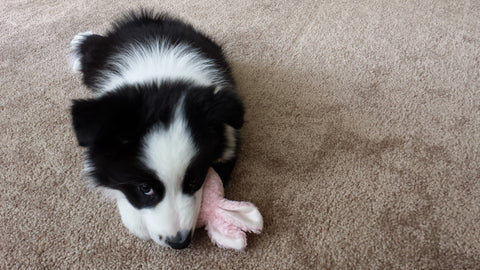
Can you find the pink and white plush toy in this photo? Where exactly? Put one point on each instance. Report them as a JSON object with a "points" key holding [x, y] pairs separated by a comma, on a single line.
{"points": [[226, 221]]}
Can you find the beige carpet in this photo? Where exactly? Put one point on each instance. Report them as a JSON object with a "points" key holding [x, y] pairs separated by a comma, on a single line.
{"points": [[361, 144]]}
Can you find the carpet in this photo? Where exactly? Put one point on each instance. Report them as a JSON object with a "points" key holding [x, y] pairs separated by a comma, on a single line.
{"points": [[360, 147]]}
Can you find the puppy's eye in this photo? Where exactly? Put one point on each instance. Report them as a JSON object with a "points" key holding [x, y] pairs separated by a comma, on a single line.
{"points": [[146, 189]]}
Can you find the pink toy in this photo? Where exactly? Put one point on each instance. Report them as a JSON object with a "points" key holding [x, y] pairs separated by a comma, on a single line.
{"points": [[226, 221]]}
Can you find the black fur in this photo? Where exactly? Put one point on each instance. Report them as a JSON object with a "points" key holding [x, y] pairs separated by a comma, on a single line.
{"points": [[111, 127], [140, 27]]}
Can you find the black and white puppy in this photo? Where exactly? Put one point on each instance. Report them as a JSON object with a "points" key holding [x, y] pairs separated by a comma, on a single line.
{"points": [[164, 110]]}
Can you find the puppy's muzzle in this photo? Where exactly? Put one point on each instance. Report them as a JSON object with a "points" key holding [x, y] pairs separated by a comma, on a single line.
{"points": [[181, 240]]}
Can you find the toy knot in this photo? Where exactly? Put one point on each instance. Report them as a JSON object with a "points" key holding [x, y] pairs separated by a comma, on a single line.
{"points": [[226, 221]]}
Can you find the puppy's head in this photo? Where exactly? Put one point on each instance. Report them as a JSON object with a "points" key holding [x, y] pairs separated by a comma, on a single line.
{"points": [[151, 146]]}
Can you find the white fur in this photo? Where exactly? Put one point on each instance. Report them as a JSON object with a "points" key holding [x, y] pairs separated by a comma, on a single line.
{"points": [[75, 57], [181, 210], [132, 218], [167, 151], [157, 61]]}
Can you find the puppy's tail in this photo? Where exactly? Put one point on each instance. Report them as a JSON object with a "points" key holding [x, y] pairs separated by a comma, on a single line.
{"points": [[75, 58]]}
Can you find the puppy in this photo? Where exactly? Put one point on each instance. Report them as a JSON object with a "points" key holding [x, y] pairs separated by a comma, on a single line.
{"points": [[164, 110]]}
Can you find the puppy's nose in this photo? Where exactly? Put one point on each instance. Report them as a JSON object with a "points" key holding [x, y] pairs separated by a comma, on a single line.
{"points": [[181, 240]]}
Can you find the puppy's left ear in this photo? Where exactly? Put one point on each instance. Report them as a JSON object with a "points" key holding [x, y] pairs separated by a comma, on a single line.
{"points": [[226, 107], [219, 106]]}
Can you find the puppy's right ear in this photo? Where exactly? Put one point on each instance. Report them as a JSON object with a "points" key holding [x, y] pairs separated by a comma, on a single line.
{"points": [[86, 119]]}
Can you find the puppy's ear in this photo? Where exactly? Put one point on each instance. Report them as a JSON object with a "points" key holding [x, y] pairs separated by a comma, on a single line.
{"points": [[227, 107], [87, 120], [216, 106]]}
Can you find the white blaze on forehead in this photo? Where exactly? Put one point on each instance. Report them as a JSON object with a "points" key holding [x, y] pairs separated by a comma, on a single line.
{"points": [[168, 150]]}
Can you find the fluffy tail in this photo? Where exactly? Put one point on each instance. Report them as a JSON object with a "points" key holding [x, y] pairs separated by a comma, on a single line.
{"points": [[76, 52]]}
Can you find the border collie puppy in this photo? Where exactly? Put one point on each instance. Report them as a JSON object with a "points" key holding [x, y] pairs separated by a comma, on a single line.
{"points": [[164, 110]]}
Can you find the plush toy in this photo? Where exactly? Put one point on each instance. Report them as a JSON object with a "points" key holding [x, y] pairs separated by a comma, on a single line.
{"points": [[226, 221]]}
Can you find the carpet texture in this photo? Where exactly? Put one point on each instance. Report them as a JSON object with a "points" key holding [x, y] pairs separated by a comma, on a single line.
{"points": [[360, 148]]}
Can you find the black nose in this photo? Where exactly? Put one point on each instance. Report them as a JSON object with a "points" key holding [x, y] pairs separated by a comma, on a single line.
{"points": [[181, 240]]}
